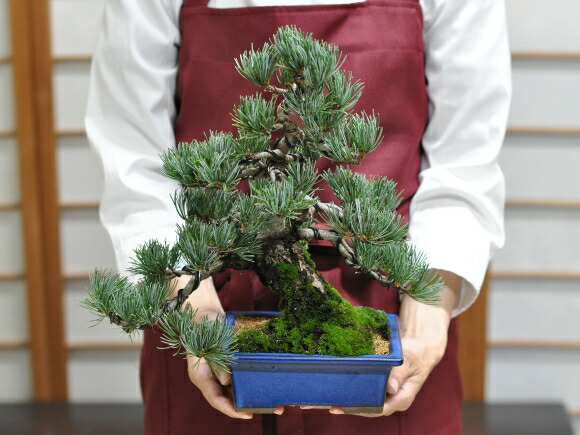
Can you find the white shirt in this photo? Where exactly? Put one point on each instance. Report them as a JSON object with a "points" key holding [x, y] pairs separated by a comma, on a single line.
{"points": [[457, 213]]}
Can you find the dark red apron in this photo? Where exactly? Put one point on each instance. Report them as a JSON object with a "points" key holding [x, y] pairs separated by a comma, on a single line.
{"points": [[383, 41]]}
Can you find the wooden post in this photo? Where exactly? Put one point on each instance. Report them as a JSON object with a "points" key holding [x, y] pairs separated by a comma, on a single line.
{"points": [[473, 347], [37, 143]]}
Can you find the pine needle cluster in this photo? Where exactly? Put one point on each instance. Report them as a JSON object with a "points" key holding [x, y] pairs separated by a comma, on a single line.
{"points": [[209, 339], [132, 307]]}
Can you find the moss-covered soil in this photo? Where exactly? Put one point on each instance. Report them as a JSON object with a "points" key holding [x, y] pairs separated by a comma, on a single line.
{"points": [[315, 322]]}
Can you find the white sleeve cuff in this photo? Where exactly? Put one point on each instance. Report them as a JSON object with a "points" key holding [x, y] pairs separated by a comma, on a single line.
{"points": [[453, 240]]}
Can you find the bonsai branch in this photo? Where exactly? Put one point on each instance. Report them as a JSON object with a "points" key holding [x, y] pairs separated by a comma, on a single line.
{"points": [[275, 90], [276, 155], [196, 277], [343, 246], [319, 234], [328, 207], [250, 173]]}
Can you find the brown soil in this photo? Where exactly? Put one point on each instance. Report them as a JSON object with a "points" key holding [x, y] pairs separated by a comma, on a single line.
{"points": [[248, 323]]}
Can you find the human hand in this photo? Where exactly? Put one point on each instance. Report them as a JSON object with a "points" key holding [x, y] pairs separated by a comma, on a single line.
{"points": [[212, 386], [215, 386], [424, 339]]}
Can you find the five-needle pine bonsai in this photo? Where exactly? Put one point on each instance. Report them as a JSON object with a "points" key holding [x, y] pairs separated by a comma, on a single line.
{"points": [[303, 114]]}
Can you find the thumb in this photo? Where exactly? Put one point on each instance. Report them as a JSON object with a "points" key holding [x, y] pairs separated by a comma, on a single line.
{"points": [[395, 380], [224, 378]]}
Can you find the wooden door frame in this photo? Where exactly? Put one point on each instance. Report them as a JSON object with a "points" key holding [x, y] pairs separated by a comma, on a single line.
{"points": [[473, 347], [32, 72]]}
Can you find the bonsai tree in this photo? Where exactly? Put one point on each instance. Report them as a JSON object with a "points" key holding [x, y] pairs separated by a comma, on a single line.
{"points": [[303, 113]]}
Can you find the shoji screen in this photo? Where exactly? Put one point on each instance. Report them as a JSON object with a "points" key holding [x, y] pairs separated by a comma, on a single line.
{"points": [[536, 277], [15, 369], [102, 364], [534, 309]]}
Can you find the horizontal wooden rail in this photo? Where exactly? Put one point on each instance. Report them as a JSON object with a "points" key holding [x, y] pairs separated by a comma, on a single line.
{"points": [[67, 132], [524, 274], [9, 206], [549, 55], [575, 413], [79, 205], [7, 134], [71, 58], [13, 345], [535, 344], [77, 276], [543, 130], [543, 203], [104, 345], [5, 59], [11, 276]]}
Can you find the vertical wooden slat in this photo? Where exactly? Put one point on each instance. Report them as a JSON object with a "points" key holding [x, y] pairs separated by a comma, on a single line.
{"points": [[46, 143], [473, 347], [30, 204], [37, 143]]}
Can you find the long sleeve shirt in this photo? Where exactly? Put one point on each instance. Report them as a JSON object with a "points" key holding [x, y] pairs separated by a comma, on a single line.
{"points": [[457, 212]]}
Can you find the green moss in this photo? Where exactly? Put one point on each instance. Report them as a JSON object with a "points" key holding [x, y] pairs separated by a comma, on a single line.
{"points": [[341, 341], [312, 322], [374, 319], [253, 341], [286, 271], [307, 256]]}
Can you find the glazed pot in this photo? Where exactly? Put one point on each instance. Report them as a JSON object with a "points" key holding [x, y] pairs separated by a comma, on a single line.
{"points": [[263, 381]]}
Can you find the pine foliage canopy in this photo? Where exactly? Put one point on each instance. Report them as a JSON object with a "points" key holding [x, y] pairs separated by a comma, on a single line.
{"points": [[303, 113]]}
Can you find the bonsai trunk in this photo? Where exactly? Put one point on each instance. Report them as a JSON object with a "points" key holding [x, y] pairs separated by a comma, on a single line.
{"points": [[315, 318]]}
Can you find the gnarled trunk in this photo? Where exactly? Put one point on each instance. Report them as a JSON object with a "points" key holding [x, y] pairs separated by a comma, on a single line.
{"points": [[314, 317]]}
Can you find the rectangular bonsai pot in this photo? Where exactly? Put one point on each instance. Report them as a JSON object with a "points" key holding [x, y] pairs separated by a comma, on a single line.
{"points": [[262, 381]]}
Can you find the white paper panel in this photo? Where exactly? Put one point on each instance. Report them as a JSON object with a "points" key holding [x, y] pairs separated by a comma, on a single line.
{"points": [[74, 26], [517, 310], [4, 29], [541, 239], [576, 425], [533, 375], [80, 322], [542, 166], [546, 93], [13, 311], [540, 25], [71, 84], [15, 376], [9, 178], [11, 249], [84, 242], [79, 177], [7, 121], [104, 376]]}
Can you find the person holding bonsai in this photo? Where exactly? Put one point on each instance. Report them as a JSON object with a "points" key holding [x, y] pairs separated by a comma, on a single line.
{"points": [[437, 72]]}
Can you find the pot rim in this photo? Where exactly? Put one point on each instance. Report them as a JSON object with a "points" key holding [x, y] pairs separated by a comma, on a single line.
{"points": [[394, 358]]}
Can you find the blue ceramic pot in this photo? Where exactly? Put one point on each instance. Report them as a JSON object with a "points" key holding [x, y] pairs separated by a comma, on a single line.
{"points": [[262, 381]]}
